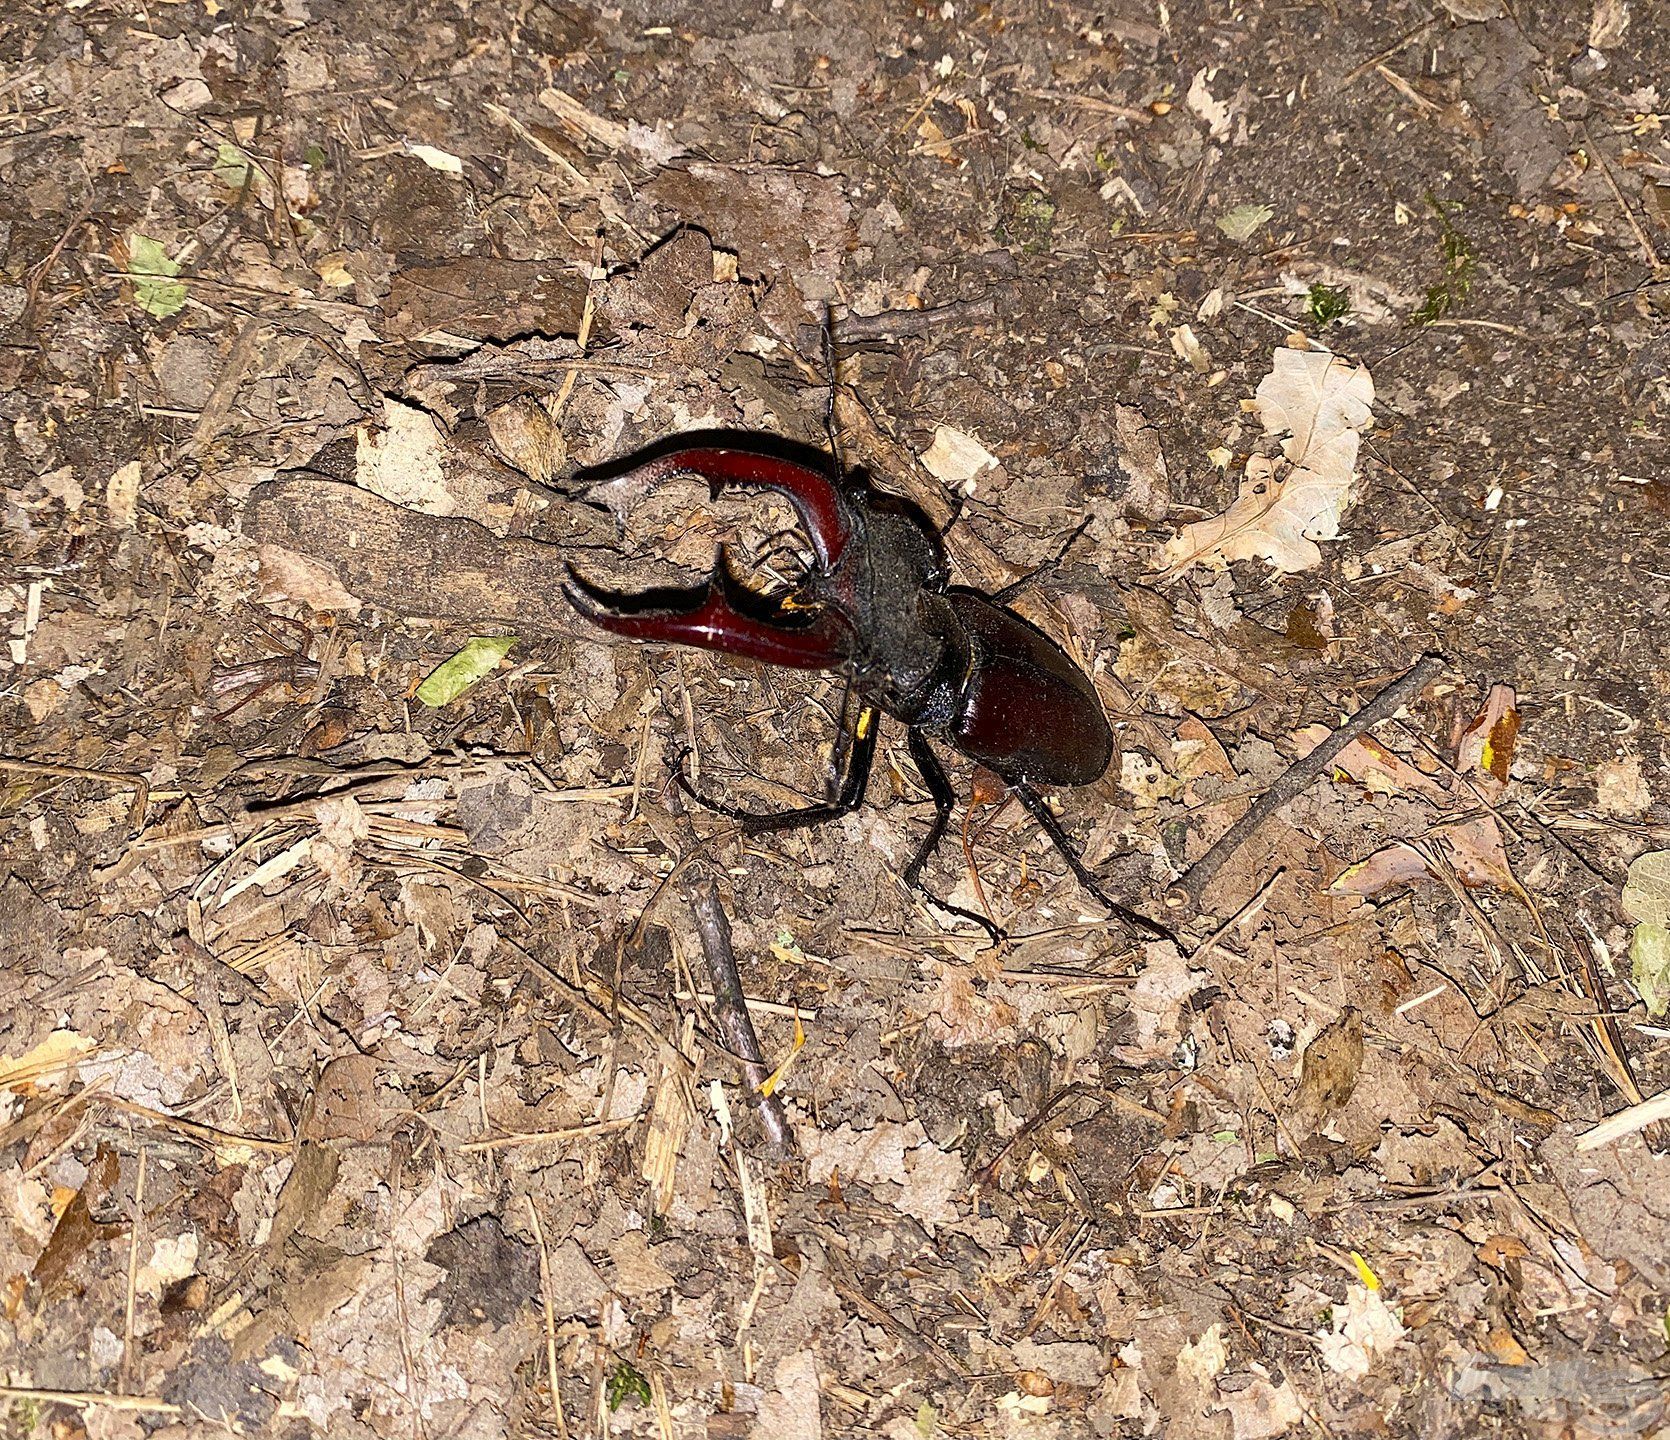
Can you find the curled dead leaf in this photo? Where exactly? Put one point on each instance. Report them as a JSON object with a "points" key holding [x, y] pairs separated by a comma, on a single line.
{"points": [[1504, 1349], [1367, 761], [1395, 864], [527, 436], [1499, 1249], [1328, 1072], [1476, 852], [1487, 745], [345, 1103]]}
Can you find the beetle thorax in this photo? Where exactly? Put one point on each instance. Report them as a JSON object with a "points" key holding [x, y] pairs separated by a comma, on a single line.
{"points": [[912, 651], [912, 661]]}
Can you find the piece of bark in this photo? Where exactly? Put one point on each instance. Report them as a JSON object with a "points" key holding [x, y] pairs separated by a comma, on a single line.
{"points": [[416, 565], [486, 299]]}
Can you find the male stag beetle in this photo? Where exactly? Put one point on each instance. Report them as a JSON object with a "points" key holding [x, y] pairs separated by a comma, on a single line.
{"points": [[878, 605]]}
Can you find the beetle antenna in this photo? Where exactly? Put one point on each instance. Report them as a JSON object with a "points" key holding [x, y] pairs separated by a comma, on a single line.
{"points": [[831, 369]]}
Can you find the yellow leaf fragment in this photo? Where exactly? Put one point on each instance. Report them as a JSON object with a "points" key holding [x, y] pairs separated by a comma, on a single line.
{"points": [[769, 1085], [1364, 1273]]}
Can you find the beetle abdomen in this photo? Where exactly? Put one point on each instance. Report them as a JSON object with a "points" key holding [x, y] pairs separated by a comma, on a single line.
{"points": [[1027, 712]]}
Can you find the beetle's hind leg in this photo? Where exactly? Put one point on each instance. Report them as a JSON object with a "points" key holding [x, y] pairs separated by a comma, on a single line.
{"points": [[933, 776], [860, 751], [1040, 811]]}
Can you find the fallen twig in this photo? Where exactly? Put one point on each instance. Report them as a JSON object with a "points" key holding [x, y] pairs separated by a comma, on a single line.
{"points": [[539, 1137], [1626, 1122], [122, 779], [1299, 775], [730, 1010], [87, 1399], [856, 329], [547, 1295]]}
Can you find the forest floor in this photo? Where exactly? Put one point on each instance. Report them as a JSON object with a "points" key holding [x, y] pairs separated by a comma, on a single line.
{"points": [[359, 1073]]}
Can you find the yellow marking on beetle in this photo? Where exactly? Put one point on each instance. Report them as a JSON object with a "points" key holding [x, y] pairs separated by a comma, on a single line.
{"points": [[866, 718]]}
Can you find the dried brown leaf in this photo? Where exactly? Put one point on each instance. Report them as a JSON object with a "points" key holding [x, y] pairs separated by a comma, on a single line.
{"points": [[1328, 1072], [1487, 745]]}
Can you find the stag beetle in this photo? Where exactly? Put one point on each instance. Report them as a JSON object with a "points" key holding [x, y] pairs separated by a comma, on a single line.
{"points": [[878, 605]]}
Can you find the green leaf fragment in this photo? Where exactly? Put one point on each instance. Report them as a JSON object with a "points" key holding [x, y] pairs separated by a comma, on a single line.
{"points": [[1241, 222], [1647, 889], [1649, 956], [1327, 303], [1459, 263], [231, 166], [1646, 900], [1030, 221], [452, 677], [152, 272], [626, 1382]]}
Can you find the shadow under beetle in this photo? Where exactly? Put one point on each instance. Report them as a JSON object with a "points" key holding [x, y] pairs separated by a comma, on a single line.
{"points": [[879, 607]]}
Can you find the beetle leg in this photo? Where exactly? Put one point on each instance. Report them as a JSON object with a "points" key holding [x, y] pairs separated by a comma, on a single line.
{"points": [[1040, 812], [933, 776], [1001, 598], [852, 720], [861, 756], [721, 615], [816, 496]]}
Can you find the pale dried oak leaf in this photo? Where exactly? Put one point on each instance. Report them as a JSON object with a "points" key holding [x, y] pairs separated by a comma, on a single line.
{"points": [[1322, 404], [1363, 1329]]}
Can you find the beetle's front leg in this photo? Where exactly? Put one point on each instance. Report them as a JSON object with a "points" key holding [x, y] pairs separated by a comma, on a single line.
{"points": [[859, 751]]}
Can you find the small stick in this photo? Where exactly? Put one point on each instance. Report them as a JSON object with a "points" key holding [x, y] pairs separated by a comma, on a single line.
{"points": [[1299, 776], [88, 1399], [126, 1373], [856, 329], [1375, 60], [1626, 1122], [141, 786], [1245, 913], [545, 1292], [1648, 251], [209, 1136], [730, 1010], [540, 1137]]}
